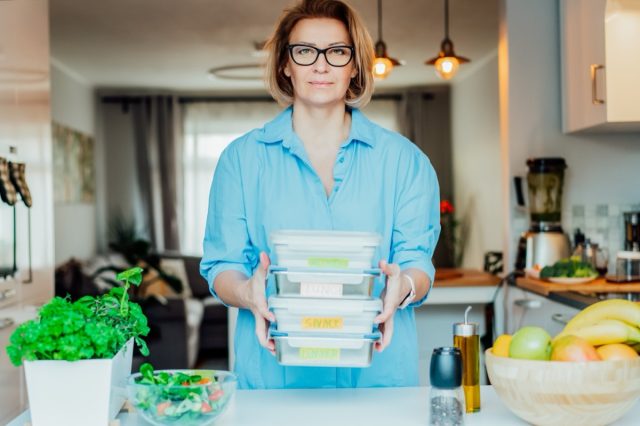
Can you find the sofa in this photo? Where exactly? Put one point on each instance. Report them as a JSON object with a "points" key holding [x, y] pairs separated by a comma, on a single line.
{"points": [[186, 328]]}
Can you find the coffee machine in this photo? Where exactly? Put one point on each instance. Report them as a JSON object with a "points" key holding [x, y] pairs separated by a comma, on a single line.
{"points": [[545, 242]]}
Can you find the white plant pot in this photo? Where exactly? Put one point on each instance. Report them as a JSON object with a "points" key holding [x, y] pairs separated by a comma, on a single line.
{"points": [[88, 392]]}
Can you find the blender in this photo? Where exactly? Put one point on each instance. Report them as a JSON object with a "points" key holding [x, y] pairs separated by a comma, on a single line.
{"points": [[545, 242]]}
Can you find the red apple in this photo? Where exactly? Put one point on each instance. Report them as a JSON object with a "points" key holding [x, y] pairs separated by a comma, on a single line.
{"points": [[573, 348]]}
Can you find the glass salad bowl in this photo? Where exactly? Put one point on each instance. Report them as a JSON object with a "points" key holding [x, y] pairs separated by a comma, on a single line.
{"points": [[180, 397]]}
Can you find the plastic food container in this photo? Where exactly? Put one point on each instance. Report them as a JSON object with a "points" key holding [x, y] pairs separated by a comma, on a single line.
{"points": [[325, 249], [314, 283], [325, 316], [324, 350]]}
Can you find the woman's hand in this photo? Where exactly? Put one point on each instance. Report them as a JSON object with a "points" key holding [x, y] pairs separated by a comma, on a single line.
{"points": [[256, 301], [394, 293]]}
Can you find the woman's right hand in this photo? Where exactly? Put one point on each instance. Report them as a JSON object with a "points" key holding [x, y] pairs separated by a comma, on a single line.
{"points": [[257, 303]]}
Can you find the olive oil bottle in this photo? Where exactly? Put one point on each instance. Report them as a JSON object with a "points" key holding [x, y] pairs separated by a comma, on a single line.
{"points": [[466, 338]]}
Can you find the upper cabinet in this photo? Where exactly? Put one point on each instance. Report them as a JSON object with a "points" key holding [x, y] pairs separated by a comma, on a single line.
{"points": [[600, 48]]}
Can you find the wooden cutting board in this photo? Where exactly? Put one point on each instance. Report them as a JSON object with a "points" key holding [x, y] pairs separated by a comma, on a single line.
{"points": [[599, 285], [458, 277]]}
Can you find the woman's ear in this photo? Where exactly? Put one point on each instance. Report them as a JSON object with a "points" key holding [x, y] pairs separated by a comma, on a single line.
{"points": [[354, 72], [287, 71]]}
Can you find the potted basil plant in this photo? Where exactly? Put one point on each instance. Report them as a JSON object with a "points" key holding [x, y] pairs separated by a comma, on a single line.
{"points": [[77, 355]]}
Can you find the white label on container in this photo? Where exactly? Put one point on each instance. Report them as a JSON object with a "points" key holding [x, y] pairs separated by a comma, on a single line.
{"points": [[308, 289]]}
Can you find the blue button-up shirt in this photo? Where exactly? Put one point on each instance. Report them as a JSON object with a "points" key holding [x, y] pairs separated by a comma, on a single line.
{"points": [[264, 182]]}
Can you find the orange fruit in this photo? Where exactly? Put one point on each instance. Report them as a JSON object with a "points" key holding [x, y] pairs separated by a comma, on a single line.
{"points": [[501, 345], [616, 351]]}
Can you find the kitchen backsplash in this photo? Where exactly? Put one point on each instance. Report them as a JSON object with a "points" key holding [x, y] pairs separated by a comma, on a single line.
{"points": [[601, 223]]}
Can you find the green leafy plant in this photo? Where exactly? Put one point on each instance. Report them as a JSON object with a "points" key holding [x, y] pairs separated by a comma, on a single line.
{"points": [[90, 328]]}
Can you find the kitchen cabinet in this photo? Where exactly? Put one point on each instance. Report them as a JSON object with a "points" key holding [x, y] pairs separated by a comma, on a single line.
{"points": [[600, 50], [530, 309]]}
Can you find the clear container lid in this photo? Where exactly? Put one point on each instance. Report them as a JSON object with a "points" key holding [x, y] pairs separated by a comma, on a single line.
{"points": [[316, 239], [342, 306]]}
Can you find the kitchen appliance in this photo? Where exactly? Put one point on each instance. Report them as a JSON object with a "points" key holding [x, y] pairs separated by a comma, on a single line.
{"points": [[545, 242], [632, 231], [628, 266]]}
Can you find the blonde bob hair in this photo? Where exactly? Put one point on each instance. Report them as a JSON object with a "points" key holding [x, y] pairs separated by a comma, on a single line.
{"points": [[279, 85]]}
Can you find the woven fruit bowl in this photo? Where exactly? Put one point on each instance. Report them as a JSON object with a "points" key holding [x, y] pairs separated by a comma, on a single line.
{"points": [[565, 393]]}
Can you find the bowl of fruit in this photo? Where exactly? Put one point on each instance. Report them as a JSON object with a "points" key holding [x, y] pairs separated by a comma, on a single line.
{"points": [[589, 374], [183, 397]]}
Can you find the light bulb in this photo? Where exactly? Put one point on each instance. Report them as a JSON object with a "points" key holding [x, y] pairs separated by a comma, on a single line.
{"points": [[382, 68], [447, 66]]}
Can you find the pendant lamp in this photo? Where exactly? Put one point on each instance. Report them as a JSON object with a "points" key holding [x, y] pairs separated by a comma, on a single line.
{"points": [[447, 62], [382, 64]]}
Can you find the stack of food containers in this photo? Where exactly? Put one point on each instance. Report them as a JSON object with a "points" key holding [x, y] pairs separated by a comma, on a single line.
{"points": [[324, 307]]}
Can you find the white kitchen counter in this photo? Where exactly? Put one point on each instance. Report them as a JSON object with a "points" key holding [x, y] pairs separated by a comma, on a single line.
{"points": [[369, 407]]}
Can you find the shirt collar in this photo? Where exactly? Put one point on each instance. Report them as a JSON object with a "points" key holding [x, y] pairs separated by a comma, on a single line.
{"points": [[280, 129]]}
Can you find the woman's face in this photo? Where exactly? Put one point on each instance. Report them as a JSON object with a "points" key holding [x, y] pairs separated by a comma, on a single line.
{"points": [[320, 84]]}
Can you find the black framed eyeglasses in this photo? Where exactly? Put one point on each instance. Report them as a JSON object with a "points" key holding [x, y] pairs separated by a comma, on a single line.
{"points": [[336, 56]]}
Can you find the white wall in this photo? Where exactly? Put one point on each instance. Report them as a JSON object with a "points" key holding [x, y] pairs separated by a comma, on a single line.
{"points": [[476, 159], [72, 105]]}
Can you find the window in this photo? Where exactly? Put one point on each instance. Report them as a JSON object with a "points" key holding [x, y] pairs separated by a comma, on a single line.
{"points": [[208, 128]]}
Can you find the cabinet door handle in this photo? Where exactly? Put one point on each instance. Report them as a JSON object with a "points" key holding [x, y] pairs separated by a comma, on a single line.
{"points": [[560, 318], [594, 86]]}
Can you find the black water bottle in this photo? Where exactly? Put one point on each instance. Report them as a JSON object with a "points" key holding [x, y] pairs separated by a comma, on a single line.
{"points": [[446, 396]]}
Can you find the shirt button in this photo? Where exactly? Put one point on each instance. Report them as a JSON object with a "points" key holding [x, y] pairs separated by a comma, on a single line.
{"points": [[341, 160]]}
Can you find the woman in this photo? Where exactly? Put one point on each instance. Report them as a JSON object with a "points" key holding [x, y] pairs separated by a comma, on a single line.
{"points": [[321, 164]]}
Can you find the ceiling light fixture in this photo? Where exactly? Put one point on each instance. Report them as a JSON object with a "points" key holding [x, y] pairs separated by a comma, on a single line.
{"points": [[382, 64], [447, 62], [244, 72]]}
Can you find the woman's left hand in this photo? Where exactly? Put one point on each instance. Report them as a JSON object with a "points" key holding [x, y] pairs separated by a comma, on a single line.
{"points": [[392, 296]]}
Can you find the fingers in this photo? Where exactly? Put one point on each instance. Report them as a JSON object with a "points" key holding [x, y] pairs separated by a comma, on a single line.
{"points": [[387, 312], [264, 261], [387, 333], [264, 311], [262, 334]]}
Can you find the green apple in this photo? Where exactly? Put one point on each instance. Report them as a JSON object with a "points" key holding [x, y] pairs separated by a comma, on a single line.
{"points": [[530, 343]]}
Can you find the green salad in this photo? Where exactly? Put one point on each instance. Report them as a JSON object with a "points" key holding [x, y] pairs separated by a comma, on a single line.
{"points": [[572, 267], [182, 397]]}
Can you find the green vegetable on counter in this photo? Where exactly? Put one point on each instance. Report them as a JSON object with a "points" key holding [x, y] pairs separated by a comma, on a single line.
{"points": [[89, 328], [572, 267]]}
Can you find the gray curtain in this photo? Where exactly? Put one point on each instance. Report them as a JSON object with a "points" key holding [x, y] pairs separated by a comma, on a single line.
{"points": [[425, 118], [157, 138]]}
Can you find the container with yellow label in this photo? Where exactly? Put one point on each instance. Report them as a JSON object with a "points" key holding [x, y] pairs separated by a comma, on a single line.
{"points": [[348, 316]]}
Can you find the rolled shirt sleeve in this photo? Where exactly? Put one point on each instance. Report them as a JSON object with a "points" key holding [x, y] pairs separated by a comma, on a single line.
{"points": [[416, 225], [226, 245]]}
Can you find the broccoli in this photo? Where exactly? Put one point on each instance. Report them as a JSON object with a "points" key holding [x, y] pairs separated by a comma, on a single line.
{"points": [[568, 268]]}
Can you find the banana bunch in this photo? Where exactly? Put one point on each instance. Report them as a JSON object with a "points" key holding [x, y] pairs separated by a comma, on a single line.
{"points": [[609, 321]]}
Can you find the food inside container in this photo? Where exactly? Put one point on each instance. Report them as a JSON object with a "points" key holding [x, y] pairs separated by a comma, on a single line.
{"points": [[325, 249], [184, 397], [307, 282], [325, 316], [318, 350]]}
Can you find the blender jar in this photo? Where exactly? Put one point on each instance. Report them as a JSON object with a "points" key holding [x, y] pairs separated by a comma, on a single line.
{"points": [[544, 181]]}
